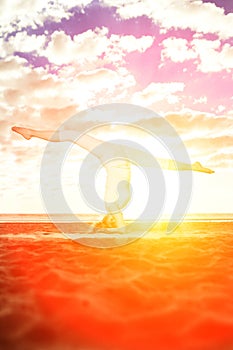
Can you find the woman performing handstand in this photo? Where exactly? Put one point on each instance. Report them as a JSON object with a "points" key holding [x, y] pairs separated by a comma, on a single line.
{"points": [[118, 170]]}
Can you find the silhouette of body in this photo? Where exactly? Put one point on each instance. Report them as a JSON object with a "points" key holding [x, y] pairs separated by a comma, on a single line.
{"points": [[117, 170]]}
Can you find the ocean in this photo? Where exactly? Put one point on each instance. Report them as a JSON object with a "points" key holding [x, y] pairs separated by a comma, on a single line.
{"points": [[159, 292]]}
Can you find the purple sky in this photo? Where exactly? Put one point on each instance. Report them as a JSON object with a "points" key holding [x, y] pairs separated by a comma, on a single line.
{"points": [[174, 57]]}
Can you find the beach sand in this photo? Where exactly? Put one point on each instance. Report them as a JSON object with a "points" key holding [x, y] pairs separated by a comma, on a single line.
{"points": [[164, 292]]}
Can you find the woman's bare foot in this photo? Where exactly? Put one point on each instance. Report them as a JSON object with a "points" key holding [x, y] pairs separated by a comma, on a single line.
{"points": [[198, 167], [25, 132]]}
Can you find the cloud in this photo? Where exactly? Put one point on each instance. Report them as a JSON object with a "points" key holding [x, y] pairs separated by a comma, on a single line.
{"points": [[208, 145], [208, 55], [12, 67], [177, 49], [221, 159], [22, 42], [205, 135], [18, 14], [156, 92], [90, 45], [193, 124], [200, 100], [2, 48], [130, 43], [180, 14], [213, 58], [23, 86], [62, 49], [30, 93]]}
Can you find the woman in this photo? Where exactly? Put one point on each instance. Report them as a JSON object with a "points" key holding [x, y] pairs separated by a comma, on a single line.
{"points": [[118, 170]]}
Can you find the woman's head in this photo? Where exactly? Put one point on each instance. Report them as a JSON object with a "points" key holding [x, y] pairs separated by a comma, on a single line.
{"points": [[109, 220]]}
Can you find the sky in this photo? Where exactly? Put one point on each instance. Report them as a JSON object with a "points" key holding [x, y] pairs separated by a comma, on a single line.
{"points": [[58, 58]]}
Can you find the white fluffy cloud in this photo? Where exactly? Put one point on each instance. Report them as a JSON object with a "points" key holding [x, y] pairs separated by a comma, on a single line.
{"points": [[209, 55], [200, 100], [103, 79], [213, 57], [12, 68], [36, 88], [22, 42], [18, 14], [89, 50], [177, 49], [195, 15], [85, 46], [89, 46], [156, 92], [130, 43]]}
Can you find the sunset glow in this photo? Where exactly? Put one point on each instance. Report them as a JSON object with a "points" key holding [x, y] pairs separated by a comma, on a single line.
{"points": [[175, 59]]}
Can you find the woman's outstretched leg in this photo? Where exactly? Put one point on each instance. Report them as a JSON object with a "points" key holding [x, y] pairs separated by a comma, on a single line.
{"points": [[85, 141], [169, 164], [114, 217]]}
